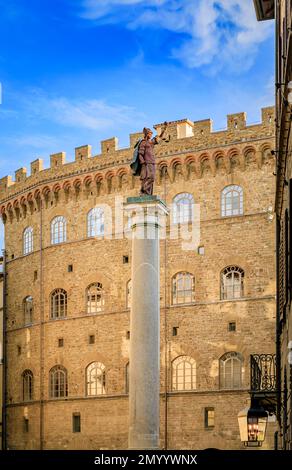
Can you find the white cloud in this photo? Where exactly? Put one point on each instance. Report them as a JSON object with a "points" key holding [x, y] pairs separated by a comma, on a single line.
{"points": [[92, 114], [35, 141], [219, 32], [96, 9]]}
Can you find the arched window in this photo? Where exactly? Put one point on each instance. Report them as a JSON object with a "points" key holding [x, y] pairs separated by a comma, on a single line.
{"points": [[58, 230], [183, 373], [95, 298], [230, 370], [127, 373], [58, 382], [231, 201], [58, 303], [183, 208], [28, 240], [27, 385], [232, 283], [129, 293], [28, 310], [95, 379], [183, 288], [95, 222]]}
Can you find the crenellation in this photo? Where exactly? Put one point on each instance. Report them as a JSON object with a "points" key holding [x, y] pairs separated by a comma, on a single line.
{"points": [[185, 129], [135, 137], [82, 153], [5, 183], [58, 159], [36, 166], [172, 129], [182, 136], [109, 146], [20, 175], [203, 128], [268, 116], [236, 122]]}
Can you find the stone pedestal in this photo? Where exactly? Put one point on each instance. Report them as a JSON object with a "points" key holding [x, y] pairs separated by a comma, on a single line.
{"points": [[144, 363]]}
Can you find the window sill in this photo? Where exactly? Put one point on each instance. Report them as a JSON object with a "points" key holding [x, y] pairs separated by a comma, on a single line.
{"points": [[59, 398], [58, 243], [94, 237], [183, 224], [57, 319], [238, 299], [231, 216], [184, 304]]}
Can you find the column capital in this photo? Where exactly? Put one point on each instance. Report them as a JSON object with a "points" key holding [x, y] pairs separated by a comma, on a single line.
{"points": [[146, 202], [146, 212]]}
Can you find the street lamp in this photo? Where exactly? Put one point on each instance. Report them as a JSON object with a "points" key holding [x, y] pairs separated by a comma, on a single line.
{"points": [[252, 425]]}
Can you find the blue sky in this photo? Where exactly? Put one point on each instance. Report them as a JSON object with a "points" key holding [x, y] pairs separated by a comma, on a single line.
{"points": [[74, 72]]}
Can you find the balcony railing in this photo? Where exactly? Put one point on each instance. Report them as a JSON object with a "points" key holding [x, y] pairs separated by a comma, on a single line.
{"points": [[263, 372]]}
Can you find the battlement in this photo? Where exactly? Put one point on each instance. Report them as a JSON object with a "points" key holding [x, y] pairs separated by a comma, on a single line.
{"points": [[109, 145], [135, 137], [82, 153], [20, 175], [6, 182], [181, 135], [236, 122], [57, 159], [36, 166]]}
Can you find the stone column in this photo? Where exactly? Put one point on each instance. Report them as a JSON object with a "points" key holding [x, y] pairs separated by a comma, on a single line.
{"points": [[144, 367]]}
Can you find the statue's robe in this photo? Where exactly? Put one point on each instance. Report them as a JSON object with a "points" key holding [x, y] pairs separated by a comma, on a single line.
{"points": [[147, 161]]}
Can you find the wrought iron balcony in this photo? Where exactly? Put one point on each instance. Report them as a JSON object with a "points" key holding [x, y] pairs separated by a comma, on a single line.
{"points": [[263, 372], [263, 385]]}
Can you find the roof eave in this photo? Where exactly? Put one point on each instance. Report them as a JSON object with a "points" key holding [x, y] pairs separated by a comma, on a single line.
{"points": [[261, 12]]}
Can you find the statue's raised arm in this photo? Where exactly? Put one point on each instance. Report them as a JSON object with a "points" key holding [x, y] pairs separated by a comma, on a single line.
{"points": [[158, 138]]}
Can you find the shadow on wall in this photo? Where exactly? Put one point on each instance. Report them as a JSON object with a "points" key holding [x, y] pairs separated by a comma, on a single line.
{"points": [[1, 236]]}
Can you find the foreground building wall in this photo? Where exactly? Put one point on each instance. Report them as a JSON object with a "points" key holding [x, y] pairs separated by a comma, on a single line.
{"points": [[281, 11], [68, 292], [284, 217]]}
